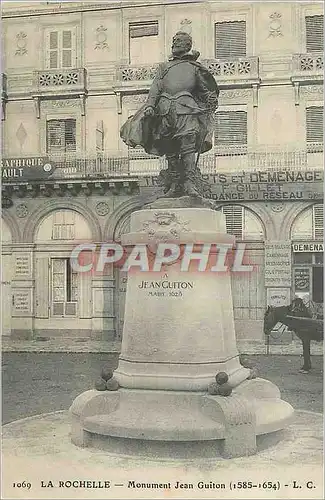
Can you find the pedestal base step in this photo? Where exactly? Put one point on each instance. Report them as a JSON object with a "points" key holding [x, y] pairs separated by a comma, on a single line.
{"points": [[146, 419], [173, 424]]}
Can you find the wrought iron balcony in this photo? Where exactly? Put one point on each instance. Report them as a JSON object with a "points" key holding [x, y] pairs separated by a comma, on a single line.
{"points": [[106, 166], [94, 166], [60, 82], [308, 65], [235, 69]]}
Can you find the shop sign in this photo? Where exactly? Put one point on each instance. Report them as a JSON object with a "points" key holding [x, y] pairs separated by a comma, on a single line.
{"points": [[277, 297], [307, 247], [26, 168], [277, 264], [259, 185]]}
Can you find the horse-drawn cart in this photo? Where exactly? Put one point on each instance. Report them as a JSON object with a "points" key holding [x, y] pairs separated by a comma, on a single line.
{"points": [[305, 322]]}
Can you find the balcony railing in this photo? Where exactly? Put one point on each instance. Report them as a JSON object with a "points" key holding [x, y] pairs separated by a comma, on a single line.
{"points": [[310, 64], [221, 159], [99, 166], [238, 69], [60, 81], [131, 73], [241, 68], [233, 158]]}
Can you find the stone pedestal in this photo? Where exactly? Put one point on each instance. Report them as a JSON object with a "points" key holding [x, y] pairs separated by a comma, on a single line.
{"points": [[178, 334]]}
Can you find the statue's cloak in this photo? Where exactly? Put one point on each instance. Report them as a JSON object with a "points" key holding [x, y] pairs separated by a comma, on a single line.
{"points": [[141, 130]]}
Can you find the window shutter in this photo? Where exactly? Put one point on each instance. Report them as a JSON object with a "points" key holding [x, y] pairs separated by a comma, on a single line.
{"points": [[52, 49], [61, 135], [314, 124], [67, 49], [70, 135], [318, 222], [42, 287], [314, 33], [138, 30], [230, 39], [234, 220], [61, 49], [55, 135], [230, 127]]}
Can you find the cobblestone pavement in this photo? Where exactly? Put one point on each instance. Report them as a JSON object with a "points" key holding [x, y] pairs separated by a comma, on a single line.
{"points": [[86, 345]]}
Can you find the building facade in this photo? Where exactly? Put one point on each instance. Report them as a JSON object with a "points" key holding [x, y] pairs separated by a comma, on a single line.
{"points": [[73, 72]]}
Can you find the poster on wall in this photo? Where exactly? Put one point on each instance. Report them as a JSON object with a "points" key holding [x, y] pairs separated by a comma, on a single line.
{"points": [[301, 280], [277, 263], [160, 160]]}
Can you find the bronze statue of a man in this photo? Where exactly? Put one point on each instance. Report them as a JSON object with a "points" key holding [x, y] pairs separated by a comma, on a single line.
{"points": [[177, 118]]}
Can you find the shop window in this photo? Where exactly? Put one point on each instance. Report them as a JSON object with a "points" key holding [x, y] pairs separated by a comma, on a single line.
{"points": [[61, 49], [64, 288], [319, 258], [314, 33], [144, 45], [230, 39], [230, 128], [303, 258], [314, 124], [63, 226], [61, 136]]}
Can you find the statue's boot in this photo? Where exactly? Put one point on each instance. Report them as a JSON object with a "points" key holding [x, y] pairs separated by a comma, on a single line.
{"points": [[174, 178], [189, 175]]}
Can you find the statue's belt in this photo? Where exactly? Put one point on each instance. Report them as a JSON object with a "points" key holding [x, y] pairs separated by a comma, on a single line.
{"points": [[175, 97]]}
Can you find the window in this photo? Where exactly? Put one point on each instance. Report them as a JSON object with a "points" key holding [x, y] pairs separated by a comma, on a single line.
{"points": [[64, 288], [314, 33], [61, 135], [242, 223], [144, 42], [314, 124], [230, 39], [61, 49], [63, 226], [230, 128], [309, 224]]}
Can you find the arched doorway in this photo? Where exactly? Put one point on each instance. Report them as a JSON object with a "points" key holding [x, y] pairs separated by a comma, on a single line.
{"points": [[63, 297], [6, 277], [248, 289], [307, 254]]}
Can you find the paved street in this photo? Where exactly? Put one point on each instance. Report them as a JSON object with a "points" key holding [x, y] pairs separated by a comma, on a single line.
{"points": [[35, 383]]}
